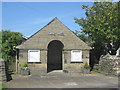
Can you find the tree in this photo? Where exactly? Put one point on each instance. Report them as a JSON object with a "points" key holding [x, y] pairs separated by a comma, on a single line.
{"points": [[101, 25], [9, 39], [83, 37]]}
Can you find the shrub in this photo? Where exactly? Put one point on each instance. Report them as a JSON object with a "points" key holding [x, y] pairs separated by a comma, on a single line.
{"points": [[86, 64], [24, 64]]}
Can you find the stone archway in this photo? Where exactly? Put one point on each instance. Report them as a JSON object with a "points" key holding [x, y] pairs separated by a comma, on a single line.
{"points": [[54, 55]]}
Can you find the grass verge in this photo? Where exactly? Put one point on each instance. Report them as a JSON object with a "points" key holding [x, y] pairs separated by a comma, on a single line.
{"points": [[2, 85]]}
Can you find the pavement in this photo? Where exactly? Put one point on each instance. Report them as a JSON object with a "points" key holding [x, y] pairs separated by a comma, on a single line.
{"points": [[63, 80]]}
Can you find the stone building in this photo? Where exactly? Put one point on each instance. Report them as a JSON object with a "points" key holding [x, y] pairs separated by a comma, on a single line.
{"points": [[54, 47], [118, 52]]}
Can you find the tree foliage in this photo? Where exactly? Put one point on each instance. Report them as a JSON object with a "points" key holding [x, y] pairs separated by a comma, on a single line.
{"points": [[9, 39], [83, 37], [101, 25]]}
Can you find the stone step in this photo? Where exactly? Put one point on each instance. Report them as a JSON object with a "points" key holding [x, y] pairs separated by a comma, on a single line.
{"points": [[56, 72]]}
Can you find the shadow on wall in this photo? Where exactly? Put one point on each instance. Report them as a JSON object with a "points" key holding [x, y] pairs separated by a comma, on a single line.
{"points": [[54, 55], [8, 72]]}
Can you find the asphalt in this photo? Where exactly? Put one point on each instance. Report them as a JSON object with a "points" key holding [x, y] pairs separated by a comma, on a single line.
{"points": [[63, 80]]}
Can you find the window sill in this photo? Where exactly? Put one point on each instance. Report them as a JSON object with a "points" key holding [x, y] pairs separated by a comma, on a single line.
{"points": [[34, 62], [77, 62]]}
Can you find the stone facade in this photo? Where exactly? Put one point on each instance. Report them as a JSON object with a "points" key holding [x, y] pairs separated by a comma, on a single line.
{"points": [[67, 41], [118, 52], [2, 71], [110, 65]]}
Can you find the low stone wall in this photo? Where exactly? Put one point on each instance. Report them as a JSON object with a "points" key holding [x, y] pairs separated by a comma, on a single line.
{"points": [[2, 71], [110, 65], [73, 67]]}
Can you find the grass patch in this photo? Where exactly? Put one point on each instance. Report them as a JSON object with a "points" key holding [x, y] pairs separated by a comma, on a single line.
{"points": [[2, 85]]}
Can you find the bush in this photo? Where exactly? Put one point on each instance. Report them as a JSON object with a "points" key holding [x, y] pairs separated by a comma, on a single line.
{"points": [[24, 64], [25, 69], [86, 64]]}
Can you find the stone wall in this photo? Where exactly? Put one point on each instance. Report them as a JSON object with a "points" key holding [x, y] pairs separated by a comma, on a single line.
{"points": [[41, 67], [110, 65], [2, 71]]}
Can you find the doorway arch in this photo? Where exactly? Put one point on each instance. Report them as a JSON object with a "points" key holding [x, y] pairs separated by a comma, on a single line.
{"points": [[54, 55]]}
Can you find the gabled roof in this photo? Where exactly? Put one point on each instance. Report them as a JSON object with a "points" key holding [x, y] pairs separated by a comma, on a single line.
{"points": [[43, 27], [41, 39]]}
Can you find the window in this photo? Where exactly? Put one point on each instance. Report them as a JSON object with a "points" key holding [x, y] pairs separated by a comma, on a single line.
{"points": [[33, 55], [76, 56]]}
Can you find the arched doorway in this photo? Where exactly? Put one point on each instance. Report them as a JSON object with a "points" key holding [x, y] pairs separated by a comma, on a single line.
{"points": [[54, 55]]}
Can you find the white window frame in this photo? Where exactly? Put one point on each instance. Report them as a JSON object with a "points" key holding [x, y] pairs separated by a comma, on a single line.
{"points": [[72, 56], [38, 58]]}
